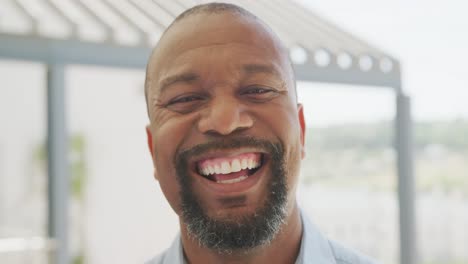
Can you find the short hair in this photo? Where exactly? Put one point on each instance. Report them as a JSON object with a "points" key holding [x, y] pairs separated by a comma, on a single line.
{"points": [[213, 8]]}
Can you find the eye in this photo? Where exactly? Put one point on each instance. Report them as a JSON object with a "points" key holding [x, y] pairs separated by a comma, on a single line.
{"points": [[259, 94], [185, 99], [185, 103], [257, 90]]}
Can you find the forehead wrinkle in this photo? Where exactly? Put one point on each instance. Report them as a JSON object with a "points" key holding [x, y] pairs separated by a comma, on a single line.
{"points": [[157, 65]]}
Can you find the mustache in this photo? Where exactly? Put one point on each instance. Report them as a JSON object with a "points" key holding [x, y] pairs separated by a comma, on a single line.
{"points": [[273, 148]]}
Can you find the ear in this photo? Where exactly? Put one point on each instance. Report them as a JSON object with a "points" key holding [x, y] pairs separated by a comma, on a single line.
{"points": [[150, 146], [150, 140], [300, 115]]}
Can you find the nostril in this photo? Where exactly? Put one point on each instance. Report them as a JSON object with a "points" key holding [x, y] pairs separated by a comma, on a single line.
{"points": [[225, 118], [218, 133]]}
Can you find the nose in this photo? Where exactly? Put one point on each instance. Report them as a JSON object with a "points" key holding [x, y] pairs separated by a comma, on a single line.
{"points": [[225, 116]]}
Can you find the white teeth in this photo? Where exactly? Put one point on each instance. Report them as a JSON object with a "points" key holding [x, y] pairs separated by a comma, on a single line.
{"points": [[217, 169], [235, 165], [227, 167], [241, 178], [244, 164]]}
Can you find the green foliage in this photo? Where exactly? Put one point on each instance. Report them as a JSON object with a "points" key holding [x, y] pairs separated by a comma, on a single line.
{"points": [[77, 150], [451, 134], [78, 165], [79, 259], [363, 155], [368, 136]]}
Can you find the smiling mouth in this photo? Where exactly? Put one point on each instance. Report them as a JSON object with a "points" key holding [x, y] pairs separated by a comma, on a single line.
{"points": [[230, 170]]}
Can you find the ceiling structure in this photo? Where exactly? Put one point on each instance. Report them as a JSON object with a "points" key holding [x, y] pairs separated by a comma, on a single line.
{"points": [[122, 32]]}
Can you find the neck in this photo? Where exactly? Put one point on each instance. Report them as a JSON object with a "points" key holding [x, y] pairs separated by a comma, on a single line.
{"points": [[284, 248]]}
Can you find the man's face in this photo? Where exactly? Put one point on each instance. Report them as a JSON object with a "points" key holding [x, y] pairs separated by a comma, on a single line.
{"points": [[225, 127]]}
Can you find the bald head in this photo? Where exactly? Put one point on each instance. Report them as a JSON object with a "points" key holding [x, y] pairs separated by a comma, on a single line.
{"points": [[197, 13]]}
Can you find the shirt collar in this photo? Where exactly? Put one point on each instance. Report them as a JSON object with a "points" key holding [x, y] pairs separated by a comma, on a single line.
{"points": [[175, 254], [315, 248]]}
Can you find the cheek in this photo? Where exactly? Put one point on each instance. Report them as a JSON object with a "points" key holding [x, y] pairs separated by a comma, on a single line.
{"points": [[286, 127], [166, 176], [168, 136], [170, 189]]}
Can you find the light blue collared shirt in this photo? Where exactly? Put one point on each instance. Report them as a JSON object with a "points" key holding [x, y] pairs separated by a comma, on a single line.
{"points": [[315, 249]]}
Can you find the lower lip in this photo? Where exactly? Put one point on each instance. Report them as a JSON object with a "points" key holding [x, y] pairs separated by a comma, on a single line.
{"points": [[231, 188]]}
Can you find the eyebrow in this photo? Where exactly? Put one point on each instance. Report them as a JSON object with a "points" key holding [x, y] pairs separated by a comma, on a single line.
{"points": [[189, 77], [250, 69], [178, 78]]}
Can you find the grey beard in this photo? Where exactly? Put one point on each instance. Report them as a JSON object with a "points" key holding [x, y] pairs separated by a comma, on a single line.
{"points": [[237, 234]]}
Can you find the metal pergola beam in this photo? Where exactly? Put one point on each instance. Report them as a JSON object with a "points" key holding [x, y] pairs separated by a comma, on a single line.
{"points": [[354, 76], [406, 197], [53, 51], [57, 162]]}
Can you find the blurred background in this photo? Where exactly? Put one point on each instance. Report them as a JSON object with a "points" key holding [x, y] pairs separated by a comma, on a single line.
{"points": [[115, 211]]}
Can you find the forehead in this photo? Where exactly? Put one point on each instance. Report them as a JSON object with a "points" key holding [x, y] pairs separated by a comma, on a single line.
{"points": [[227, 35], [205, 29]]}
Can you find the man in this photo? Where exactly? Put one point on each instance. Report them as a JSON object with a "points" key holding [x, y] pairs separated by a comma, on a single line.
{"points": [[226, 136]]}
